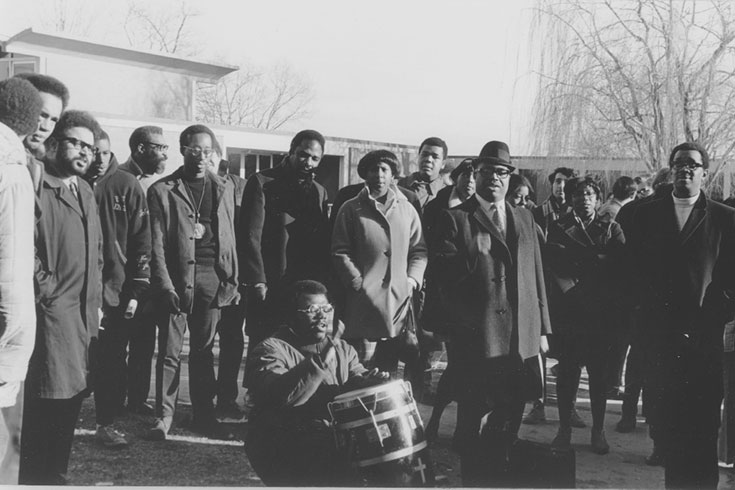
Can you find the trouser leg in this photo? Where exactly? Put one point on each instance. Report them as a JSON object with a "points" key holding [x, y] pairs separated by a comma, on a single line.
{"points": [[168, 364], [141, 347], [111, 366], [567, 380], [202, 328], [11, 422], [598, 349], [231, 348]]}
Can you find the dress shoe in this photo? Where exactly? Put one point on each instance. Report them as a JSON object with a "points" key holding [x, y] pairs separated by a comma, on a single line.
{"points": [[109, 437], [230, 410], [537, 414], [159, 431], [599, 442], [575, 420], [563, 439], [656, 458], [627, 424]]}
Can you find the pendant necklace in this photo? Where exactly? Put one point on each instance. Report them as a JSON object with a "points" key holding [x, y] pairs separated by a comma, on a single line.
{"points": [[198, 227]]}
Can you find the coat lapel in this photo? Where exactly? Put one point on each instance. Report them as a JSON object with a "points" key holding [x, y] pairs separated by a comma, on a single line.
{"points": [[178, 189], [486, 223], [63, 193], [699, 213]]}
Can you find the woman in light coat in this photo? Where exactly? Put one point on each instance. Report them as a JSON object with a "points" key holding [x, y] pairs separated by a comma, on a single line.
{"points": [[380, 256]]}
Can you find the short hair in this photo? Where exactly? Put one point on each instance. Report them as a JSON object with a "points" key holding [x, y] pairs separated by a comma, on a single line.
{"points": [[376, 157], [76, 119], [518, 180], [306, 135], [185, 136], [48, 84], [102, 135], [624, 188], [306, 286], [690, 146], [577, 183], [435, 141], [565, 171], [143, 135]]}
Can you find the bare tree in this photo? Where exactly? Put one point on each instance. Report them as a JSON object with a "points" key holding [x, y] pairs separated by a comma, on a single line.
{"points": [[632, 78], [256, 98], [166, 28]]}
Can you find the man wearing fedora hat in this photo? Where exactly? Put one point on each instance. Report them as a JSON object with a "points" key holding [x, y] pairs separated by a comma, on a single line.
{"points": [[486, 258]]}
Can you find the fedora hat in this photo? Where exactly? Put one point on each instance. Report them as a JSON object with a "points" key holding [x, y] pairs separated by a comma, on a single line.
{"points": [[495, 152]]}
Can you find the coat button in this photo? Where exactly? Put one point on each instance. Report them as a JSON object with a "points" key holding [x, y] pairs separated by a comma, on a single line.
{"points": [[387, 253], [191, 215], [191, 238], [501, 311], [189, 286], [192, 262]]}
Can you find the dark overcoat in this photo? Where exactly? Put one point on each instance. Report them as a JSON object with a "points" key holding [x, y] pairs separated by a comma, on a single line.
{"points": [[69, 289], [583, 265], [283, 234], [489, 284]]}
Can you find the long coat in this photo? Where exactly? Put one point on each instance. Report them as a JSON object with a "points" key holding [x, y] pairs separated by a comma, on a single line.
{"points": [[283, 233], [584, 268], [374, 254], [490, 285], [69, 289], [172, 230]]}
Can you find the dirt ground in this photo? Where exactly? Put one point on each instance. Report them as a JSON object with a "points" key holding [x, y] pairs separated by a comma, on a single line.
{"points": [[188, 460]]}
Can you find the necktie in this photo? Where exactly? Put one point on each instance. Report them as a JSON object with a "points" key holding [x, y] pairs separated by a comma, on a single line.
{"points": [[74, 189], [497, 219]]}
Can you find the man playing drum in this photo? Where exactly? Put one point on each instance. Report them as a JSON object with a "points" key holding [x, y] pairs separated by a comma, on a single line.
{"points": [[293, 375]]}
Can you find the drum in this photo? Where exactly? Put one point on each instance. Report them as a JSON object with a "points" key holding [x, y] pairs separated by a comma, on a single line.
{"points": [[380, 435]]}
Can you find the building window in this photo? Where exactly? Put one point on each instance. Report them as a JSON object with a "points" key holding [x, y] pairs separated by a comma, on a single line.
{"points": [[15, 65]]}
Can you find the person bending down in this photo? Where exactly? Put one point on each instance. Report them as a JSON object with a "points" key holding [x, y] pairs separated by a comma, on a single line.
{"points": [[293, 375]]}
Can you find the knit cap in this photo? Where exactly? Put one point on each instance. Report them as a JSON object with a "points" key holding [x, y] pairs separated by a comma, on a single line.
{"points": [[20, 105]]}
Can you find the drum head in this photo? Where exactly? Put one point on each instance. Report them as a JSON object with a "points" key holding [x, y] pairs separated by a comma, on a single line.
{"points": [[391, 386]]}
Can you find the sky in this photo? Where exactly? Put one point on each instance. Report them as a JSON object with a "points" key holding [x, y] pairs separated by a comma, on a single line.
{"points": [[393, 71]]}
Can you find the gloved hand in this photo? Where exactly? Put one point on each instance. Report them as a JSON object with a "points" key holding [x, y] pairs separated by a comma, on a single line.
{"points": [[259, 291]]}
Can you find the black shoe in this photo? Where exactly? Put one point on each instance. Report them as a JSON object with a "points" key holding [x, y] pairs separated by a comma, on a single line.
{"points": [[537, 415], [230, 410], [599, 442], [576, 421], [142, 409]]}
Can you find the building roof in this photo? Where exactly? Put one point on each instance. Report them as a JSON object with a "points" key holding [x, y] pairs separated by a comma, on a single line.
{"points": [[82, 47]]}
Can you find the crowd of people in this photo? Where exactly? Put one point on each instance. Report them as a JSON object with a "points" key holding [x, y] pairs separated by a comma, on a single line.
{"points": [[125, 259]]}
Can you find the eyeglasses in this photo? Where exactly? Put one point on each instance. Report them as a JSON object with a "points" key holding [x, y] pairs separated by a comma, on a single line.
{"points": [[81, 145], [156, 146], [490, 171], [686, 163], [195, 152], [314, 309]]}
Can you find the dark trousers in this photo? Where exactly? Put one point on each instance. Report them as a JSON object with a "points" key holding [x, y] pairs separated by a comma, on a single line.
{"points": [[490, 389], [141, 344], [48, 431], [262, 318], [119, 375], [231, 348], [575, 351], [11, 422], [691, 375], [202, 323]]}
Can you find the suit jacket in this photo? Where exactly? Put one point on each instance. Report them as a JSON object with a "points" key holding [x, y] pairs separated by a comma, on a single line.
{"points": [[685, 279], [283, 234], [69, 289], [490, 285], [172, 231]]}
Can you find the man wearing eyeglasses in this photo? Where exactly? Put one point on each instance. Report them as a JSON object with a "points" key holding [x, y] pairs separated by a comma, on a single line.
{"points": [[69, 283], [683, 251], [486, 261], [126, 276], [148, 155], [292, 376], [194, 274]]}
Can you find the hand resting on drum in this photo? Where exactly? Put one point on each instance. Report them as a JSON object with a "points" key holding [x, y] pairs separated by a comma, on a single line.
{"points": [[366, 380]]}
